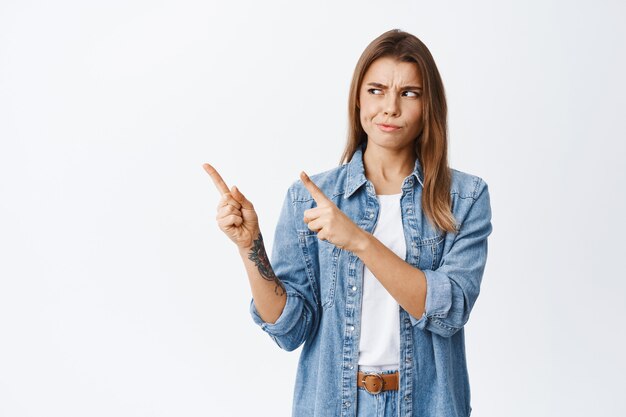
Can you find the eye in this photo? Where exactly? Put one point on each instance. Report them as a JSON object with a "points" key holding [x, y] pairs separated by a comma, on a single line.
{"points": [[416, 94], [373, 89]]}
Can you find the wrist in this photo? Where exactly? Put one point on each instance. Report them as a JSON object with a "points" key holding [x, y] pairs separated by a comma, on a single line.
{"points": [[362, 243], [245, 250]]}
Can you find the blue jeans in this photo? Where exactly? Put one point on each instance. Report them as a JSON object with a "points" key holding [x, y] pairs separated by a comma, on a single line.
{"points": [[383, 404]]}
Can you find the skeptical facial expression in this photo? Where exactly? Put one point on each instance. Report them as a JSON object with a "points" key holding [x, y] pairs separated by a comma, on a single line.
{"points": [[390, 101]]}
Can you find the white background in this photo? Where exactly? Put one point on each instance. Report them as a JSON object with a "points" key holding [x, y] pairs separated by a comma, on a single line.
{"points": [[119, 295]]}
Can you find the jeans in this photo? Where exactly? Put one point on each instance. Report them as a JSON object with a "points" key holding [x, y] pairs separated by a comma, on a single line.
{"points": [[383, 404]]}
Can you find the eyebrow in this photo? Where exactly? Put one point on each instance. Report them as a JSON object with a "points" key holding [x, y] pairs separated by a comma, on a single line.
{"points": [[406, 87]]}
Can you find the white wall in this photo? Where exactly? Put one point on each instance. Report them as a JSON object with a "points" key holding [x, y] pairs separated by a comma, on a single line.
{"points": [[120, 296]]}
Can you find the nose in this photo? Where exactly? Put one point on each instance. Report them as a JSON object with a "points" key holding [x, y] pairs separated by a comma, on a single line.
{"points": [[391, 106]]}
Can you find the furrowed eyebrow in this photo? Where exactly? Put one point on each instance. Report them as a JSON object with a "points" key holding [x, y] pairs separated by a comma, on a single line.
{"points": [[406, 87]]}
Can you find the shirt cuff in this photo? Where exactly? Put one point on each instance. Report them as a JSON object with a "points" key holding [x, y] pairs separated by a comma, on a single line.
{"points": [[438, 298], [291, 314]]}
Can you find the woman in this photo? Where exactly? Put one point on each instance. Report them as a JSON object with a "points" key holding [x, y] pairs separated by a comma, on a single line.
{"points": [[377, 263]]}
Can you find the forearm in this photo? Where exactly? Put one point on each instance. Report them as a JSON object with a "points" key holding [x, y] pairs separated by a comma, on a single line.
{"points": [[405, 283], [267, 291]]}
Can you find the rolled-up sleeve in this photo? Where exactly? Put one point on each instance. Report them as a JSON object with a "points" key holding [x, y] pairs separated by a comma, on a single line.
{"points": [[300, 314], [452, 288]]}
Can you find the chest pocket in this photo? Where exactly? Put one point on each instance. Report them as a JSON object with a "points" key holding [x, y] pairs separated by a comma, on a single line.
{"points": [[429, 252], [322, 259]]}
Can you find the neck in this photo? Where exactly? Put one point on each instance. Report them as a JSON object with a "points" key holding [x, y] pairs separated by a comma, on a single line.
{"points": [[388, 164]]}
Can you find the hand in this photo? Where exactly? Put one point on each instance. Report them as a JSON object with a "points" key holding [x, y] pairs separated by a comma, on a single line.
{"points": [[235, 214], [330, 223]]}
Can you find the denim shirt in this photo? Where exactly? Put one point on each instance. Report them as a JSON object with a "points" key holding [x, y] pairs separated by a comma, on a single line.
{"points": [[324, 293]]}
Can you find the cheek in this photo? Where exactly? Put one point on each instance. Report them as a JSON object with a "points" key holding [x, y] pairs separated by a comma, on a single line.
{"points": [[366, 115], [366, 123], [363, 117], [415, 115]]}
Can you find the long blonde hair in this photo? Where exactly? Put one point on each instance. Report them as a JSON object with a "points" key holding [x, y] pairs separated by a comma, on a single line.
{"points": [[431, 145]]}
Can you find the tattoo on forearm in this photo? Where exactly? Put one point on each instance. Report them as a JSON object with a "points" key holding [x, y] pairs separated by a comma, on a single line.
{"points": [[259, 257]]}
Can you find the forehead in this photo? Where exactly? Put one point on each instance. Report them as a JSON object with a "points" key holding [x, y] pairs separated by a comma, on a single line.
{"points": [[388, 71]]}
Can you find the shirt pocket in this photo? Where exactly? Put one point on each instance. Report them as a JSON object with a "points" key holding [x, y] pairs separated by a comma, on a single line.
{"points": [[430, 251], [323, 258]]}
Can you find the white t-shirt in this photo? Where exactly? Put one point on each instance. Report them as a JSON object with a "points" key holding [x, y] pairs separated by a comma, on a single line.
{"points": [[379, 344]]}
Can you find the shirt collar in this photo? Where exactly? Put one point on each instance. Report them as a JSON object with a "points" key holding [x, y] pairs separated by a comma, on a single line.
{"points": [[356, 172]]}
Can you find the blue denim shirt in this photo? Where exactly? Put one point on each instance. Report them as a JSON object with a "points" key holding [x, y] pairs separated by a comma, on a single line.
{"points": [[324, 292]]}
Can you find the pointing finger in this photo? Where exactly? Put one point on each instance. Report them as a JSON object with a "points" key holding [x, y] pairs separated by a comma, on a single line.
{"points": [[317, 194], [217, 179]]}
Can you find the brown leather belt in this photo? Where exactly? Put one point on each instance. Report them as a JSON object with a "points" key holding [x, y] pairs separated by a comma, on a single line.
{"points": [[374, 382]]}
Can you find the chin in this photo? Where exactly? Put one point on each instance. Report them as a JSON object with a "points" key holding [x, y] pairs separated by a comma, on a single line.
{"points": [[390, 141]]}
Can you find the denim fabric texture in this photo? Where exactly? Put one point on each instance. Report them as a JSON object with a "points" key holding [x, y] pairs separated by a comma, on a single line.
{"points": [[324, 292]]}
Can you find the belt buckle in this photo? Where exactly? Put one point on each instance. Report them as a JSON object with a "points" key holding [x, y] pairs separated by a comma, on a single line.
{"points": [[376, 374]]}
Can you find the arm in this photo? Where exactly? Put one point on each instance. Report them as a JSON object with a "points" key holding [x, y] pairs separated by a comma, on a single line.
{"points": [[299, 314], [404, 282], [438, 300], [268, 291], [289, 308]]}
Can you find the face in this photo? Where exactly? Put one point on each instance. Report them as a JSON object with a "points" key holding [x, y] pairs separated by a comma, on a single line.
{"points": [[391, 94]]}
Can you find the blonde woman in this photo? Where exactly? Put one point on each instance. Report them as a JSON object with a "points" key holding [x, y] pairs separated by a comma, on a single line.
{"points": [[377, 263]]}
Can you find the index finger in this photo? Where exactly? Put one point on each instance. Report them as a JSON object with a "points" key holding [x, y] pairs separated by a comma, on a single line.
{"points": [[317, 194], [217, 178]]}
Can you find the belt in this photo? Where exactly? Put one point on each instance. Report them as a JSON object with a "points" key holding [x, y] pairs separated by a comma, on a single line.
{"points": [[374, 382]]}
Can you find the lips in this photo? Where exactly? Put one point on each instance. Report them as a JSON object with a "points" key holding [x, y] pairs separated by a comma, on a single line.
{"points": [[388, 128]]}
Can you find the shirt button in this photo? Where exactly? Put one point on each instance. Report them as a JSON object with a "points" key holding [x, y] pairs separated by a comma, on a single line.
{"points": [[347, 403], [353, 288], [407, 398], [351, 328], [351, 366], [409, 211], [408, 360], [371, 215]]}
